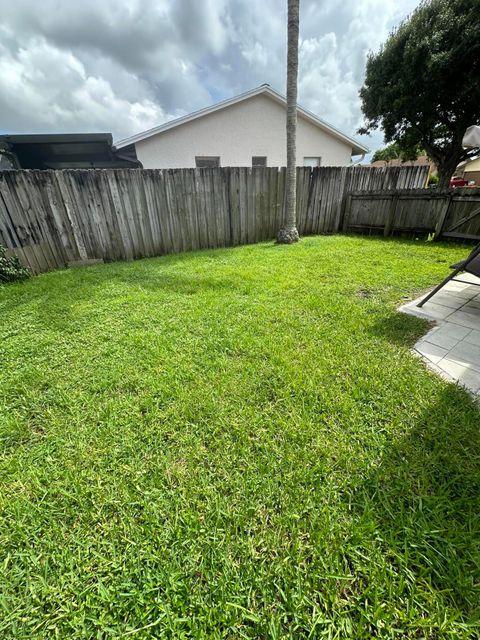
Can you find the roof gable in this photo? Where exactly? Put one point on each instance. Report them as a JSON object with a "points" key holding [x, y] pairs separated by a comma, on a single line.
{"points": [[264, 89]]}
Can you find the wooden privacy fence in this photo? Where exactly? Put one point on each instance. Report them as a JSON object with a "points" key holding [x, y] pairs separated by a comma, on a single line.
{"points": [[452, 213], [50, 219]]}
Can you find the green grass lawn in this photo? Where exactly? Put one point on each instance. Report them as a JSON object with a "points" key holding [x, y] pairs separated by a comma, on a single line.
{"points": [[235, 444]]}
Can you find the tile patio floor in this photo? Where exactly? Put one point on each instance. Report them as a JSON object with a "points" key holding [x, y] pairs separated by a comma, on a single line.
{"points": [[452, 347]]}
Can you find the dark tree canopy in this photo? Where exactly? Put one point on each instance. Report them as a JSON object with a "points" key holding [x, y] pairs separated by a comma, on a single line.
{"points": [[423, 87]]}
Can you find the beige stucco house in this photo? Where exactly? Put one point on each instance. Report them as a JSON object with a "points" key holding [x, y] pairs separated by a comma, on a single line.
{"points": [[244, 131], [470, 170]]}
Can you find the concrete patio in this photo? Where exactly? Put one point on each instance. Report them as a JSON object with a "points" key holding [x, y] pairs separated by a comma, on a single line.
{"points": [[452, 347]]}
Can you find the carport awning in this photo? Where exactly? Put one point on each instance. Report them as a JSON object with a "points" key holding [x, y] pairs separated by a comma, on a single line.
{"points": [[67, 151]]}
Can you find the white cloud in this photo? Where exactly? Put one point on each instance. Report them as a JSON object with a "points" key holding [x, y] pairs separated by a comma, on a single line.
{"points": [[45, 89], [127, 65], [256, 55]]}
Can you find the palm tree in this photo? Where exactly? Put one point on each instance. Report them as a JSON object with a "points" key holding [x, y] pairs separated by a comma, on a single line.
{"points": [[288, 233]]}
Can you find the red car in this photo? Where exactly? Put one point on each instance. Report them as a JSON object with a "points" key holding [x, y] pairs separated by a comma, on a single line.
{"points": [[458, 182]]}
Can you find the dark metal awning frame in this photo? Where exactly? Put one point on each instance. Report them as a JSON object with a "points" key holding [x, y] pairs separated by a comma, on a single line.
{"points": [[469, 265]]}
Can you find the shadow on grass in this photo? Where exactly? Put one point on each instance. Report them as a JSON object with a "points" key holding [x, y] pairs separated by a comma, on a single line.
{"points": [[399, 328], [424, 497]]}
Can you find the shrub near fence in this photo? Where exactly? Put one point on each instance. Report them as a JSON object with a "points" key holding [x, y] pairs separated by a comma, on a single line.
{"points": [[50, 219]]}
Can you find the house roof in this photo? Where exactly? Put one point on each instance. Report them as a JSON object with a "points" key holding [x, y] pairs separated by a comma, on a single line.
{"points": [[421, 161], [66, 151], [264, 89], [470, 164]]}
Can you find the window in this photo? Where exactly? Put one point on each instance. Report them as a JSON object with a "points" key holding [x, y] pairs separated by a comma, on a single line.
{"points": [[312, 162], [207, 162], [259, 161]]}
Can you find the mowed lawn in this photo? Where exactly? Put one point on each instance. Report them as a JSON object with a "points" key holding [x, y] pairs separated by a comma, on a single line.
{"points": [[235, 444]]}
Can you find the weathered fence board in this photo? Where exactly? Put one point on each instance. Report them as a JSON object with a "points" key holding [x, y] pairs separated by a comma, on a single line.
{"points": [[452, 213], [52, 218], [462, 216]]}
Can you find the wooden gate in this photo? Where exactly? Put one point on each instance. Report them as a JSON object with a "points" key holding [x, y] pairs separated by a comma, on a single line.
{"points": [[461, 216]]}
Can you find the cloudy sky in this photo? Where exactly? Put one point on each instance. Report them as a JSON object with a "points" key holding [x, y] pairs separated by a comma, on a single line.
{"points": [[128, 65]]}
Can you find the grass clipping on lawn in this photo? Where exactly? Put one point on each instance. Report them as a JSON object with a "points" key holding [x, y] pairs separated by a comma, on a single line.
{"points": [[235, 444]]}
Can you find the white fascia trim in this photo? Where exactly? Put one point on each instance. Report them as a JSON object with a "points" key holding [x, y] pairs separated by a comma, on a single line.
{"points": [[355, 162]]}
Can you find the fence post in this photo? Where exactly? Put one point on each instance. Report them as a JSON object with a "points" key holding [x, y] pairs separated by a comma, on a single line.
{"points": [[391, 215], [346, 215], [442, 218], [341, 205]]}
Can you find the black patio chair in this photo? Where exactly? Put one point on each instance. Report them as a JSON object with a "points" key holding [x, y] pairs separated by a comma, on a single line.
{"points": [[469, 265]]}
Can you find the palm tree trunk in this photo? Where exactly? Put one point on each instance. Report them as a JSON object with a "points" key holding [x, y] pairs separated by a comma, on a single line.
{"points": [[288, 233]]}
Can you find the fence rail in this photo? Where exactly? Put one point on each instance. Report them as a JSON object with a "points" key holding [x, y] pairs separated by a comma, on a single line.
{"points": [[50, 219]]}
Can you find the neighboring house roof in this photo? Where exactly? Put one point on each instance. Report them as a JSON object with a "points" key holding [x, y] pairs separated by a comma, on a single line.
{"points": [[472, 164], [66, 151], [421, 161], [264, 89]]}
